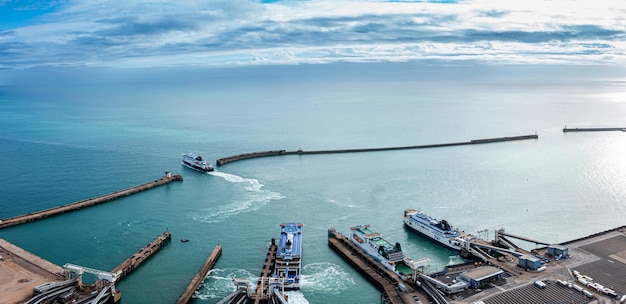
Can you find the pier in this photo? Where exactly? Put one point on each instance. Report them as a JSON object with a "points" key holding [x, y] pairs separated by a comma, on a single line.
{"points": [[229, 159], [395, 290], [200, 275], [566, 129], [266, 272], [168, 178], [140, 256]]}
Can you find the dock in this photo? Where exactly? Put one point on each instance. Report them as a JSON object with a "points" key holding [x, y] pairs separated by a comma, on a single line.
{"points": [[21, 271], [395, 290], [229, 159], [200, 275], [566, 129], [266, 272], [30, 217], [140, 256]]}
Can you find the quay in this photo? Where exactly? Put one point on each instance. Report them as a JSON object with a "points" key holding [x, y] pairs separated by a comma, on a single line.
{"points": [[21, 271], [566, 129], [395, 289], [200, 275], [168, 178], [229, 159], [266, 272], [140, 256]]}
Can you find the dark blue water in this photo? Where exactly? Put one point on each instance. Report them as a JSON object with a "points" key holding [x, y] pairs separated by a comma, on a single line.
{"points": [[67, 142]]}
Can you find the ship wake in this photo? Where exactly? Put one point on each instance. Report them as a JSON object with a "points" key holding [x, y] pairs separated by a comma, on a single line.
{"points": [[255, 198]]}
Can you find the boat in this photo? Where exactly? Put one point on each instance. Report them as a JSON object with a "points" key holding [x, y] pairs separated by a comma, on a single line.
{"points": [[439, 231], [184, 240], [289, 255], [196, 162], [390, 256]]}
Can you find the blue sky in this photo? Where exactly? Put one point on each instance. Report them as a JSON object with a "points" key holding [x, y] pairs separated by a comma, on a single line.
{"points": [[185, 33]]}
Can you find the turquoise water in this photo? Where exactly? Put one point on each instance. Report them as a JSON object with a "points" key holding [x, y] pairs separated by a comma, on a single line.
{"points": [[65, 142]]}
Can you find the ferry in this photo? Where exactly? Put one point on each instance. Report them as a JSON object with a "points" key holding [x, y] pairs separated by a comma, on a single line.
{"points": [[436, 230], [390, 256], [289, 255], [196, 162]]}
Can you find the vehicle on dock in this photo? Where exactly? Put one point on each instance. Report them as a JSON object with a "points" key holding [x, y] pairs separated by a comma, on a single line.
{"points": [[196, 162], [289, 255], [390, 256], [437, 230]]}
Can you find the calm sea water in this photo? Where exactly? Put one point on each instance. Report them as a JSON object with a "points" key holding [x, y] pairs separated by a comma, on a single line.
{"points": [[62, 142]]}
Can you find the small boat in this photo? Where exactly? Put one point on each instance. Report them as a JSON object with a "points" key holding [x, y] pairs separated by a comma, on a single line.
{"points": [[196, 162], [184, 240]]}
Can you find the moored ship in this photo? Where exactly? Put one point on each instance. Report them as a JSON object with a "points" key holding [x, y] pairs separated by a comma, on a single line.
{"points": [[196, 162], [390, 256], [437, 230], [289, 255]]}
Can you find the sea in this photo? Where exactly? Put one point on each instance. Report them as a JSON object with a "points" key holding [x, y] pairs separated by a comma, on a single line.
{"points": [[72, 135]]}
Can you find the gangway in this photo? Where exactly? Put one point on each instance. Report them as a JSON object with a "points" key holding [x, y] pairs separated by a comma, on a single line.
{"points": [[502, 250], [52, 285], [104, 294], [431, 290], [501, 232], [504, 241], [49, 294]]}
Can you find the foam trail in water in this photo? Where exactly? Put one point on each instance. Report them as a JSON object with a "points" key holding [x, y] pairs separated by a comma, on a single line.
{"points": [[219, 283], [256, 198], [296, 297], [326, 278]]}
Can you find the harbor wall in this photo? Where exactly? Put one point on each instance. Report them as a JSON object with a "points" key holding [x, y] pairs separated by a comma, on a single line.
{"points": [[141, 256], [592, 129], [88, 202], [200, 275], [229, 159]]}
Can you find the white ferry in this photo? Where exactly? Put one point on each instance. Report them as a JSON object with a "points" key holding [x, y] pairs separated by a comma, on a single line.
{"points": [[196, 162], [390, 256], [289, 255], [439, 231]]}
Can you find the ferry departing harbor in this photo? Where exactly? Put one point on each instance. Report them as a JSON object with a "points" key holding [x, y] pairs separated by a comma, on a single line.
{"points": [[196, 162], [289, 254]]}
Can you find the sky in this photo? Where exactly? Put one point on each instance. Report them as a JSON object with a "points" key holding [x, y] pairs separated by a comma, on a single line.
{"points": [[121, 34]]}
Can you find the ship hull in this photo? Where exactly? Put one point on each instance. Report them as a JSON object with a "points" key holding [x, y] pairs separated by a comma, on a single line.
{"points": [[445, 243], [430, 228], [191, 166]]}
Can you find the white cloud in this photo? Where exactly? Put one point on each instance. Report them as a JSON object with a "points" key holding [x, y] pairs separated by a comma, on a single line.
{"points": [[190, 33]]}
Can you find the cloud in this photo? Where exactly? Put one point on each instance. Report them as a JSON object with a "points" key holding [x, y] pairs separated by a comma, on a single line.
{"points": [[162, 33]]}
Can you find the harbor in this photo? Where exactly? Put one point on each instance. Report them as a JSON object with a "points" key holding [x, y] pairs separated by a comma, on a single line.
{"points": [[578, 271], [27, 278], [229, 159], [498, 271]]}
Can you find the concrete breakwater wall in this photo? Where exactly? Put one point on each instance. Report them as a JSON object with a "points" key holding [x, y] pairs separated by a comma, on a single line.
{"points": [[229, 159], [200, 275], [140, 256], [566, 129], [88, 202]]}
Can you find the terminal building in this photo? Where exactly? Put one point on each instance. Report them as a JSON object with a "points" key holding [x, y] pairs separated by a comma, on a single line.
{"points": [[481, 276]]}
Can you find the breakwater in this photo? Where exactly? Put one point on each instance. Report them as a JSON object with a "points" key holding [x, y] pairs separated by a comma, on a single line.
{"points": [[140, 256], [168, 178], [229, 159], [200, 275], [566, 129]]}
